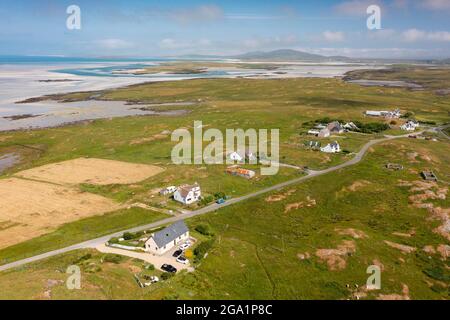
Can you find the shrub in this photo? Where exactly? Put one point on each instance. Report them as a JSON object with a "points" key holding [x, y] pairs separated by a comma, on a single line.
{"points": [[149, 266], [219, 195], [206, 200], [112, 258], [202, 249], [128, 236], [203, 229], [167, 275], [83, 258]]}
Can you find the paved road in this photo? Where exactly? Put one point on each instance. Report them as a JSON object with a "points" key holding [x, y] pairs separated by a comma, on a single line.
{"points": [[95, 242]]}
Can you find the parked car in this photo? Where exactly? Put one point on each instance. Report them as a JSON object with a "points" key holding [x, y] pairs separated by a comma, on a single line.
{"points": [[220, 201], [182, 260], [184, 246], [177, 253], [168, 268]]}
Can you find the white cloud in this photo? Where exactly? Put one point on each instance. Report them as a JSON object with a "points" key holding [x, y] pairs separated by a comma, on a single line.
{"points": [[333, 36], [435, 4], [114, 44], [414, 35], [356, 7], [205, 13]]}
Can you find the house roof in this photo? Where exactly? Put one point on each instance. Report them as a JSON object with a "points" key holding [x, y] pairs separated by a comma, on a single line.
{"points": [[184, 190], [170, 233], [334, 144]]}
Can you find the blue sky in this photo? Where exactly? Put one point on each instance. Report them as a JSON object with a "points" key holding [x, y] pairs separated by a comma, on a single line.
{"points": [[410, 28]]}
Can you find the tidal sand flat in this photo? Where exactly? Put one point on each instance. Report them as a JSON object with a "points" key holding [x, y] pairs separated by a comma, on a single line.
{"points": [[8, 160]]}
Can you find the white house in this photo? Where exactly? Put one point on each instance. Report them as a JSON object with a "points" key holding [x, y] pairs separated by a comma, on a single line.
{"points": [[331, 148], [350, 126], [235, 156], [168, 190], [187, 194], [250, 156], [410, 126], [162, 241]]}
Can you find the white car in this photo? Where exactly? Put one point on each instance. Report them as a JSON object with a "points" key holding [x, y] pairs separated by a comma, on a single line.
{"points": [[182, 260], [153, 279], [184, 246]]}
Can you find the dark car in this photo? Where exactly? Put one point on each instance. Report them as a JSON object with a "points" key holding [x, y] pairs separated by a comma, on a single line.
{"points": [[177, 253], [169, 268]]}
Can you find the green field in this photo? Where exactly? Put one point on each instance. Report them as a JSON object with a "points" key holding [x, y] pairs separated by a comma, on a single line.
{"points": [[258, 243]]}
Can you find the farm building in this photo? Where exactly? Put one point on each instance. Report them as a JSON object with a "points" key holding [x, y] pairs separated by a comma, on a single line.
{"points": [[385, 114], [187, 194], [237, 171], [335, 127], [394, 166], [429, 176], [162, 241], [168, 190]]}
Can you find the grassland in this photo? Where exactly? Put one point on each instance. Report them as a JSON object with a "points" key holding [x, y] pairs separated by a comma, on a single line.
{"points": [[260, 249], [256, 254], [430, 78]]}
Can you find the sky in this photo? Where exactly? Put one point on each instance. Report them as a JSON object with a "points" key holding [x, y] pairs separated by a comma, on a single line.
{"points": [[147, 28]]}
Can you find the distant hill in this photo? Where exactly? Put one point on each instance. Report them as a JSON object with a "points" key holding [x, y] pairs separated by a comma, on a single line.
{"points": [[281, 55]]}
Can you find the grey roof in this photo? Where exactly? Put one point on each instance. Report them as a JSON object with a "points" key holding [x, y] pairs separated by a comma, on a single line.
{"points": [[170, 233]]}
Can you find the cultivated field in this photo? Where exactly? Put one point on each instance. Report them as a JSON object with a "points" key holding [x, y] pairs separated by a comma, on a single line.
{"points": [[92, 171], [29, 208]]}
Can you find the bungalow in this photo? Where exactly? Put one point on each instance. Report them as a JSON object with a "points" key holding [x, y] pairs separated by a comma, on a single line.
{"points": [[162, 241], [410, 126], [335, 127], [187, 194], [168, 190], [331, 148]]}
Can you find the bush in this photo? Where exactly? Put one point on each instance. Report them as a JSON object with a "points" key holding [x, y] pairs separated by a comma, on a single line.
{"points": [[114, 240], [83, 258], [167, 275], [112, 258], [371, 127], [202, 249], [407, 115], [219, 195], [206, 200], [149, 266], [203, 229], [128, 236]]}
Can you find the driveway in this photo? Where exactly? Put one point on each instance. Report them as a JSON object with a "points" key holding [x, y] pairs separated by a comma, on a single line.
{"points": [[155, 260]]}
